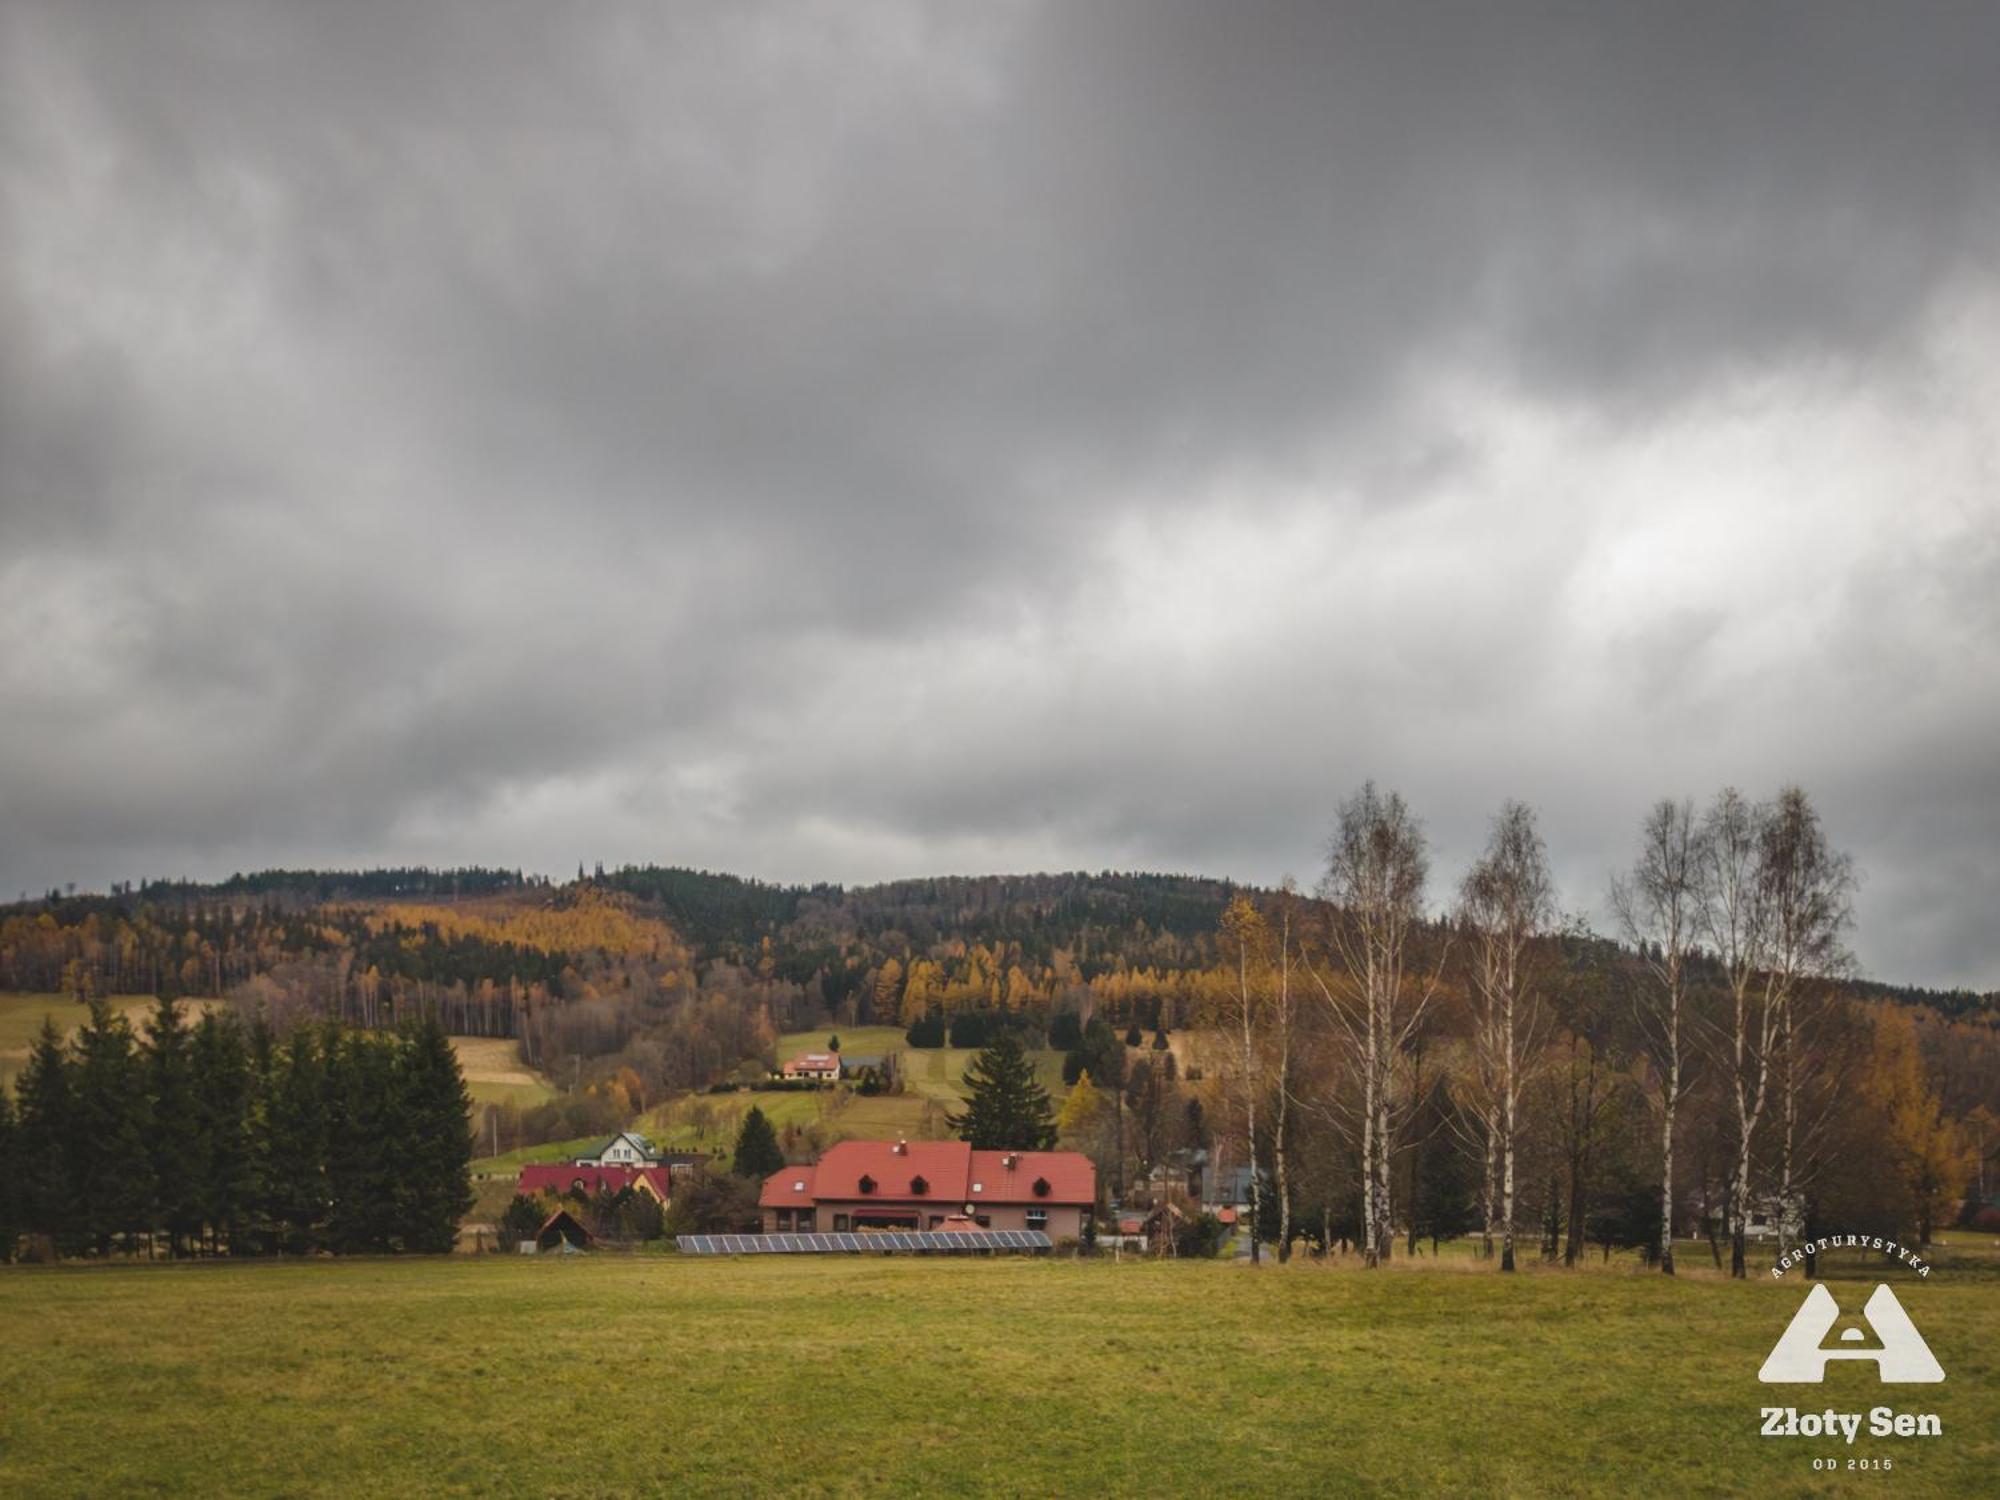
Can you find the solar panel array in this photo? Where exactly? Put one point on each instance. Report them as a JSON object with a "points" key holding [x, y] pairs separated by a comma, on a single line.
{"points": [[883, 1242]]}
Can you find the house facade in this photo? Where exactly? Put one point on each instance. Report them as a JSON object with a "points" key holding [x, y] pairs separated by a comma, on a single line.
{"points": [[625, 1149], [822, 1067], [627, 1160], [861, 1185], [590, 1180]]}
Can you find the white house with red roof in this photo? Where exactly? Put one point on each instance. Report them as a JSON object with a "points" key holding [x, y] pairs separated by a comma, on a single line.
{"points": [[858, 1185], [627, 1160], [823, 1067]]}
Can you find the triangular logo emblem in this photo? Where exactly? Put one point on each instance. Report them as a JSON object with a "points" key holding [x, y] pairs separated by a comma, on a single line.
{"points": [[1903, 1359]]}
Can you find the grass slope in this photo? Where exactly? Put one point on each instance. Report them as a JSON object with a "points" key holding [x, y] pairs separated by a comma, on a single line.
{"points": [[21, 1018], [943, 1377], [495, 1074], [934, 1085]]}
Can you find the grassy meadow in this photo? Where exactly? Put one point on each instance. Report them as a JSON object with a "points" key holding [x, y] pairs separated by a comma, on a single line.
{"points": [[933, 1086], [21, 1016], [603, 1374], [495, 1074]]}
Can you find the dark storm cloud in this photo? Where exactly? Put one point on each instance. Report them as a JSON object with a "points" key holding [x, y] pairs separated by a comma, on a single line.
{"points": [[847, 441]]}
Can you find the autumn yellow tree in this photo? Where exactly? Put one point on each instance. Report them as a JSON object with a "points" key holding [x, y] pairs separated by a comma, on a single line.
{"points": [[1933, 1152], [1081, 1110]]}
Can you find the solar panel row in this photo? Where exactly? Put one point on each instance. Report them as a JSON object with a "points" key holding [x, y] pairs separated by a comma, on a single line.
{"points": [[854, 1244]]}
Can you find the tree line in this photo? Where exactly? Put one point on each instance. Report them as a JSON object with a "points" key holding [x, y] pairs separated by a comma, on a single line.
{"points": [[219, 1138], [1498, 1063]]}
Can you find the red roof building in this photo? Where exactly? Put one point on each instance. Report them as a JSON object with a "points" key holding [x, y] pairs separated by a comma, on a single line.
{"points": [[920, 1184], [824, 1066], [564, 1177]]}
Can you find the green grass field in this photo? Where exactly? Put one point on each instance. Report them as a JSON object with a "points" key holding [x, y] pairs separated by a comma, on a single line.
{"points": [[610, 1374]]}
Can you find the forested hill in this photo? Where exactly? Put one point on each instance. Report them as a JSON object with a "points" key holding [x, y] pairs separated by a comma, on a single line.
{"points": [[492, 945], [1040, 913], [495, 947]]}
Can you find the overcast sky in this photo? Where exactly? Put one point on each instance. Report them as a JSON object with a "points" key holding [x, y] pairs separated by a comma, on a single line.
{"points": [[859, 441]]}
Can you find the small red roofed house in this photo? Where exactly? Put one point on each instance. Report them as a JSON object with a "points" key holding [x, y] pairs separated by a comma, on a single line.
{"points": [[564, 1177], [858, 1185], [823, 1067]]}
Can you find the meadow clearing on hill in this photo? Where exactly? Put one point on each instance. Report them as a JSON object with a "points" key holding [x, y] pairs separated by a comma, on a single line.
{"points": [[21, 1017], [933, 1087], [508, 1374]]}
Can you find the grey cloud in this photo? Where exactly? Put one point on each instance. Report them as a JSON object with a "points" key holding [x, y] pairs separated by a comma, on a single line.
{"points": [[516, 432]]}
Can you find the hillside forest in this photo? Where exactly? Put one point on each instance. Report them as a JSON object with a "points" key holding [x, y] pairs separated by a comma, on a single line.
{"points": [[1402, 1062]]}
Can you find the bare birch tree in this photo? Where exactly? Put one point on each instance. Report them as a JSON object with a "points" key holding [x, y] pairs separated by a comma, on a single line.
{"points": [[1375, 873], [1282, 1001], [1246, 928], [1808, 897], [1656, 905], [1734, 916], [1507, 900]]}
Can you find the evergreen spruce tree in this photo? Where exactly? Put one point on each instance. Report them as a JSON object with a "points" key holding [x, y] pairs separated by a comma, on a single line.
{"points": [[367, 1132], [295, 1134], [758, 1154], [437, 1192], [44, 1191], [172, 1140], [222, 1089], [522, 1220], [1009, 1110], [109, 1130], [10, 1183]]}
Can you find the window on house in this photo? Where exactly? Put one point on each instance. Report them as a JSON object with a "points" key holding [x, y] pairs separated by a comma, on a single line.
{"points": [[805, 1221], [840, 1225], [1038, 1218]]}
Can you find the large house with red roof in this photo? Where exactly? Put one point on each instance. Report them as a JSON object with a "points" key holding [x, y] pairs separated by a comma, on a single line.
{"points": [[860, 1185]]}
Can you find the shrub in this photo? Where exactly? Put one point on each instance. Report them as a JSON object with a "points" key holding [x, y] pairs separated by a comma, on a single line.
{"points": [[1200, 1238], [522, 1219]]}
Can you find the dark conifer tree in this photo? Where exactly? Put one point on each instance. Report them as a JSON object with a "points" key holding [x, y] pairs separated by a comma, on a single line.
{"points": [[173, 1155], [47, 1093], [10, 1179], [222, 1091], [295, 1187], [110, 1130], [367, 1131], [758, 1154], [438, 1164], [1008, 1109]]}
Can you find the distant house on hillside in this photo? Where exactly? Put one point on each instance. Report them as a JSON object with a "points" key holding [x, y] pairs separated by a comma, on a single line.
{"points": [[823, 1067], [859, 1185], [625, 1149]]}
